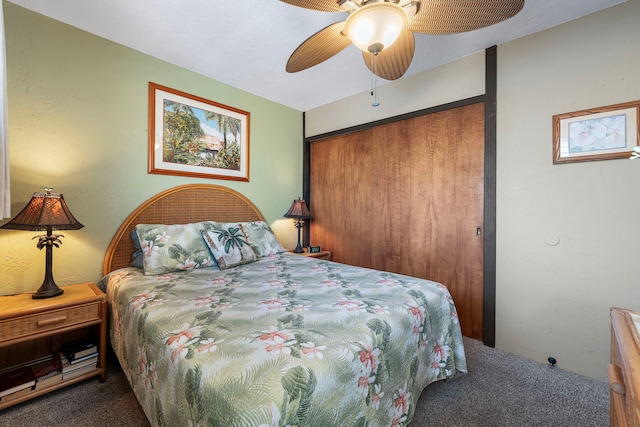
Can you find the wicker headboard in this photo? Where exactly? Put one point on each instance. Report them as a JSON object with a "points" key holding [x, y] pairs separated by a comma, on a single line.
{"points": [[179, 205]]}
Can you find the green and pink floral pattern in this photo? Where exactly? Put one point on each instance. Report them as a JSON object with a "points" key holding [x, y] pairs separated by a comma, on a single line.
{"points": [[284, 341]]}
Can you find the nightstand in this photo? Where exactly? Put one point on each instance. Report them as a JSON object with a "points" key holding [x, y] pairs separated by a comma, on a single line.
{"points": [[325, 255], [31, 329]]}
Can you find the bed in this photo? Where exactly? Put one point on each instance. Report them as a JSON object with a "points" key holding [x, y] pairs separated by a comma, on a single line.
{"points": [[279, 340]]}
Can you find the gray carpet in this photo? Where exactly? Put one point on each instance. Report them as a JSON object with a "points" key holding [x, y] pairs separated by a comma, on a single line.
{"points": [[500, 390], [505, 390]]}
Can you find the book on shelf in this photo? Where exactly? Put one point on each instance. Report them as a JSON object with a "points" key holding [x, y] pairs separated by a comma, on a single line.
{"points": [[64, 362], [78, 349], [77, 360], [45, 369], [49, 381], [47, 372], [16, 380], [15, 394], [91, 361], [77, 371]]}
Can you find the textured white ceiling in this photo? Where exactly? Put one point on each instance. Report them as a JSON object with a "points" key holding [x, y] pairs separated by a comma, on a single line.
{"points": [[246, 43]]}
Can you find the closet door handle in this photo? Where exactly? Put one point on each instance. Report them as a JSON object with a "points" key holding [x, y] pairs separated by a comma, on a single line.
{"points": [[478, 231]]}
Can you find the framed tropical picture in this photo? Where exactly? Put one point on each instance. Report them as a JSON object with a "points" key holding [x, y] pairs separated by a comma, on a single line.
{"points": [[193, 136], [602, 133]]}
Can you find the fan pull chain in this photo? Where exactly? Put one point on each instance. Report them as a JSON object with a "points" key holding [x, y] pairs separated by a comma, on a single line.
{"points": [[374, 81]]}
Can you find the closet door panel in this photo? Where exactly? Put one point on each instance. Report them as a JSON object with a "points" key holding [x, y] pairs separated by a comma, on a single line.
{"points": [[457, 210], [407, 197], [341, 197]]}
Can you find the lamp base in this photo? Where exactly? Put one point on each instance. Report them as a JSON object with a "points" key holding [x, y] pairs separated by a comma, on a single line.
{"points": [[47, 290], [298, 249]]}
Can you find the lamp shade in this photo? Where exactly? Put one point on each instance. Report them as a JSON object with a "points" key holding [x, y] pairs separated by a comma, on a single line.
{"points": [[44, 210], [375, 26], [298, 210]]}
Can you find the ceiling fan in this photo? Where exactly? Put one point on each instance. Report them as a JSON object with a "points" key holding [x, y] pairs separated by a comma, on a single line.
{"points": [[383, 29]]}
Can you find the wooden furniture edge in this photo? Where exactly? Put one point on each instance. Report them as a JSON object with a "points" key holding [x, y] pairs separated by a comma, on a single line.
{"points": [[624, 381], [98, 297]]}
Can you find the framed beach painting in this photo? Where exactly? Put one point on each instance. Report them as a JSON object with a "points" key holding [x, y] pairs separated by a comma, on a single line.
{"points": [[193, 136], [602, 133]]}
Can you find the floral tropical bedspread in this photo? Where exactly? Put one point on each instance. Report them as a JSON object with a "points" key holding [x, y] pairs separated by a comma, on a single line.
{"points": [[284, 341]]}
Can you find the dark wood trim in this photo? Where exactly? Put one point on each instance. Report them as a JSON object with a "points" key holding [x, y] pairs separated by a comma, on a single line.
{"points": [[306, 179], [430, 110], [490, 160]]}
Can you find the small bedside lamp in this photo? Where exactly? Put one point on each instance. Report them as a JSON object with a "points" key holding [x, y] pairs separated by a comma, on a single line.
{"points": [[46, 211], [299, 212]]}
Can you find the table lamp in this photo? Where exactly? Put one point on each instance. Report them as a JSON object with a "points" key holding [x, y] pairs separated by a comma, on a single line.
{"points": [[299, 212], [46, 211]]}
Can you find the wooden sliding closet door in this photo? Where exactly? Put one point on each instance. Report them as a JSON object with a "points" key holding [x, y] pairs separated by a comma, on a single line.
{"points": [[407, 197]]}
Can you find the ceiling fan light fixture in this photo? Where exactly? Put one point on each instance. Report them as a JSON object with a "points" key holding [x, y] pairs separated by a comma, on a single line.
{"points": [[375, 26]]}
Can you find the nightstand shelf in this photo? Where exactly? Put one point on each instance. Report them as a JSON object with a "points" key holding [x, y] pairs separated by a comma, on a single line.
{"points": [[325, 255], [34, 328]]}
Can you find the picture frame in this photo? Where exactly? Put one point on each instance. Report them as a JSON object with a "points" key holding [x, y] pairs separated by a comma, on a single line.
{"points": [[603, 133], [197, 137]]}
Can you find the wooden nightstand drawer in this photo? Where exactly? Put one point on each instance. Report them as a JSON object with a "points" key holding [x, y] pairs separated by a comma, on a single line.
{"points": [[35, 324]]}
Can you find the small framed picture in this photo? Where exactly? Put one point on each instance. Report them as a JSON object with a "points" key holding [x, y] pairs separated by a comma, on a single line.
{"points": [[602, 133]]}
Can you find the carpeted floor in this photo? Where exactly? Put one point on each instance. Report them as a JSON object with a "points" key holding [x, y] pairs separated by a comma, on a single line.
{"points": [[500, 390], [504, 390]]}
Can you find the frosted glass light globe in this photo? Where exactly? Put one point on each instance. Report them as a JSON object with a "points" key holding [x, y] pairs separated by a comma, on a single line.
{"points": [[375, 26]]}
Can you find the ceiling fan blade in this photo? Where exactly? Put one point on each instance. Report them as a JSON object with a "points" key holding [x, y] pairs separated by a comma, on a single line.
{"points": [[318, 48], [321, 5], [393, 62], [450, 17]]}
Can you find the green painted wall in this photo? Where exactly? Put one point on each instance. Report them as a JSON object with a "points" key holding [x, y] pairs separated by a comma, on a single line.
{"points": [[78, 111]]}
